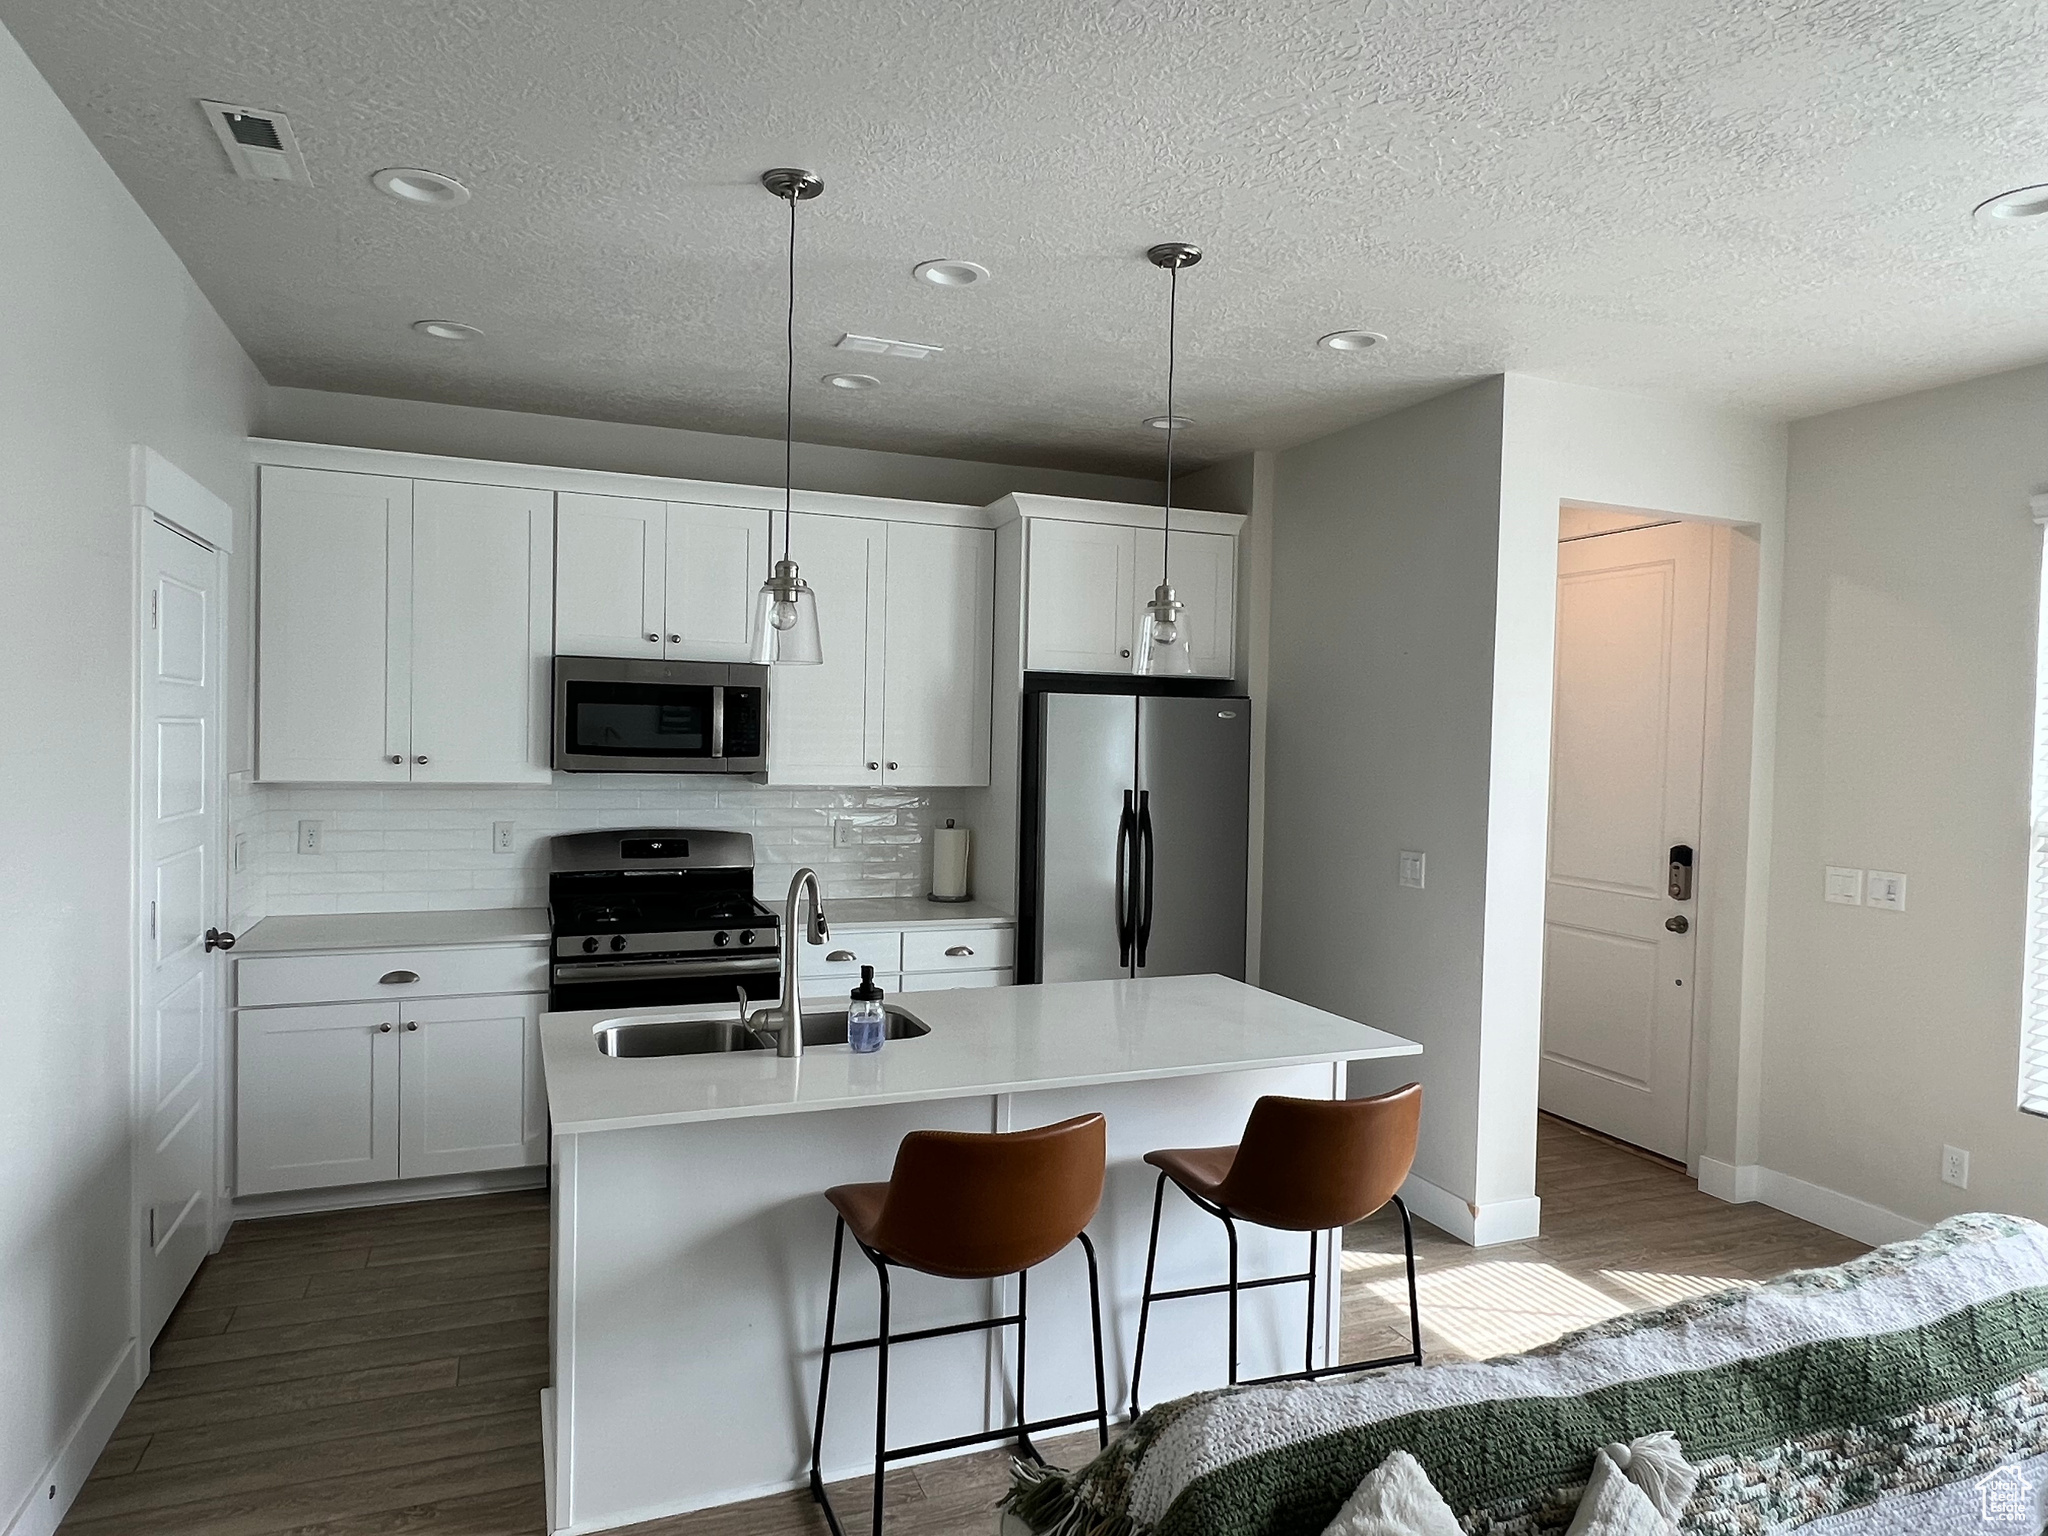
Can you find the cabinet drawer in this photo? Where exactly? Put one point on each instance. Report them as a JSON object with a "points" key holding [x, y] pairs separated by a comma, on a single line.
{"points": [[948, 981], [883, 950], [820, 990], [263, 981], [959, 949]]}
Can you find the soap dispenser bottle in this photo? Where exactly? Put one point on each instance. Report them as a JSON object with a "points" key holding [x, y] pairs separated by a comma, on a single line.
{"points": [[865, 1021]]}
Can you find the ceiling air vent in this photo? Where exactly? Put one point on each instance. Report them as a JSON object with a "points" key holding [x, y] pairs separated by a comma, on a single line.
{"points": [[882, 347], [260, 145]]}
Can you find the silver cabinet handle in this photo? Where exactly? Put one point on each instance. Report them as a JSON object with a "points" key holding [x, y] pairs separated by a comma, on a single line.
{"points": [[675, 639], [1125, 654], [892, 767], [840, 957], [412, 1024], [654, 639], [383, 1029], [398, 757], [397, 978], [873, 766], [959, 951], [419, 759]]}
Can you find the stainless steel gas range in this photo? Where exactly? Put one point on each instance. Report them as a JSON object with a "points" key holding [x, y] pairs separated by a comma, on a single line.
{"points": [[657, 916]]}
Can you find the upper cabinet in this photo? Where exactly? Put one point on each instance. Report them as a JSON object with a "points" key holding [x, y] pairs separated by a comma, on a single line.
{"points": [[670, 581], [403, 630], [905, 611], [1086, 584]]}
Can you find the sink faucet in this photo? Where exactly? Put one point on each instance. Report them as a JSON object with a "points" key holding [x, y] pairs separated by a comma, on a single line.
{"points": [[785, 1021]]}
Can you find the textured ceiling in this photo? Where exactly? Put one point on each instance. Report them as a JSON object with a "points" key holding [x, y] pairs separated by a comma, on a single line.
{"points": [[1762, 204]]}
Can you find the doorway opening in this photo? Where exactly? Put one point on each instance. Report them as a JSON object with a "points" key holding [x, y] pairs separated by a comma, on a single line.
{"points": [[1648, 815]]}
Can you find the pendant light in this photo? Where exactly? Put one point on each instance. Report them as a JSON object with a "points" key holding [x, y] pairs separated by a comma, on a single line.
{"points": [[1162, 649], [786, 611]]}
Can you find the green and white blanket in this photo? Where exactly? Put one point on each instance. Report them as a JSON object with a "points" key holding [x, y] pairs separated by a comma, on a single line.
{"points": [[1905, 1391]]}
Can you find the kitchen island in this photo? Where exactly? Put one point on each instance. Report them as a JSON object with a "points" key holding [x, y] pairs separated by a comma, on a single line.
{"points": [[692, 1245]]}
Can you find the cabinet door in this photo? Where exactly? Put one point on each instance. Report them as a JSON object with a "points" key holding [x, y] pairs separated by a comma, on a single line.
{"points": [[1079, 583], [334, 607], [937, 663], [467, 1067], [824, 722], [482, 577], [1204, 572], [717, 559], [609, 575], [316, 1096]]}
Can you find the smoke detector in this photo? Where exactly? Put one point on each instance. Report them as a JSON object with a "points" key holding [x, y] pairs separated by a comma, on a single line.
{"points": [[260, 145], [883, 347]]}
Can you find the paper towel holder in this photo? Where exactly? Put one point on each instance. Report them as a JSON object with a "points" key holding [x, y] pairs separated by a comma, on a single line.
{"points": [[950, 900]]}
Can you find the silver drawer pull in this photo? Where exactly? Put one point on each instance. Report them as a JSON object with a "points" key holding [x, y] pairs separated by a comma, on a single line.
{"points": [[840, 957], [397, 978], [959, 951]]}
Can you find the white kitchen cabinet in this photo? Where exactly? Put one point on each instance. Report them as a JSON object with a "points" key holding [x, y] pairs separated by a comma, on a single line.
{"points": [[937, 654], [403, 630], [334, 676], [1087, 584], [673, 581], [469, 1075], [824, 722], [316, 1096], [923, 958]]}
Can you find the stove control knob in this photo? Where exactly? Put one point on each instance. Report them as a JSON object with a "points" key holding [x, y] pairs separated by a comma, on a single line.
{"points": [[721, 938], [618, 941], [590, 946], [747, 936]]}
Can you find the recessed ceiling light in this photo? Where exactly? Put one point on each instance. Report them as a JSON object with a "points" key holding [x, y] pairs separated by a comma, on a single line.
{"points": [[950, 274], [851, 381], [2019, 203], [1350, 341], [1178, 423], [448, 330], [427, 188]]}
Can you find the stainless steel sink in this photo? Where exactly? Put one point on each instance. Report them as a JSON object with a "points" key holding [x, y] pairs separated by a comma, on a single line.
{"points": [[717, 1037]]}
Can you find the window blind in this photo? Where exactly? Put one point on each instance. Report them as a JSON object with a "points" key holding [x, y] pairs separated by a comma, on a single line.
{"points": [[2034, 1018]]}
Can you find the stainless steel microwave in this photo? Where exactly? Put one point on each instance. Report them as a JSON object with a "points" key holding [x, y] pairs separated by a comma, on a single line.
{"points": [[619, 716]]}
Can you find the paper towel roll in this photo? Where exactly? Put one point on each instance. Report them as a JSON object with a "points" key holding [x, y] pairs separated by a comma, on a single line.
{"points": [[949, 863]]}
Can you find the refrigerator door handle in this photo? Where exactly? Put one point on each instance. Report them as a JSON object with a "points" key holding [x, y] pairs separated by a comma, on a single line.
{"points": [[1126, 831], [1142, 896]]}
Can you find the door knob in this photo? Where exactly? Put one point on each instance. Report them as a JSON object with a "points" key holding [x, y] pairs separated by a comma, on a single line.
{"points": [[215, 939], [1677, 924]]}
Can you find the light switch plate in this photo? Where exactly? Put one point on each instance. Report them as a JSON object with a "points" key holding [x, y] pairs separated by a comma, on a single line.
{"points": [[1886, 888], [309, 837], [1845, 886], [501, 837], [1955, 1167], [1414, 869]]}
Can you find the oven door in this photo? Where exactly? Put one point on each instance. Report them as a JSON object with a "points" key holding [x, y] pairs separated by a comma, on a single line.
{"points": [[616, 716], [669, 982]]}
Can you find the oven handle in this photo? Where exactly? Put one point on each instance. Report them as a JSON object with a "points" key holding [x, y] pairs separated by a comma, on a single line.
{"points": [[718, 722], [624, 970]]}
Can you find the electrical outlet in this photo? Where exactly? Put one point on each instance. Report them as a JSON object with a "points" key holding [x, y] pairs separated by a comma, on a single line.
{"points": [[1887, 890], [1845, 886], [1414, 866], [1955, 1167], [501, 837], [309, 837]]}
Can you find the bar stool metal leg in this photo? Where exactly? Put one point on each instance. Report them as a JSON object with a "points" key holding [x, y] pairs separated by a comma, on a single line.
{"points": [[1145, 1305], [1308, 1354], [825, 1375], [881, 1391], [1023, 1418], [1095, 1318], [1414, 1306], [1231, 1227]]}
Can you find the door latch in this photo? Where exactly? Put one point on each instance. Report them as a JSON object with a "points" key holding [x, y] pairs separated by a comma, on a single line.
{"points": [[215, 939], [1681, 872]]}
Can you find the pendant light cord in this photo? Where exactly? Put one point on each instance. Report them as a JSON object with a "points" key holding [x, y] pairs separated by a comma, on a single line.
{"points": [[789, 394], [1172, 322]]}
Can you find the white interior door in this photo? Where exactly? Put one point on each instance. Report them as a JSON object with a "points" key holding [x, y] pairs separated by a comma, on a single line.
{"points": [[1625, 790], [181, 837]]}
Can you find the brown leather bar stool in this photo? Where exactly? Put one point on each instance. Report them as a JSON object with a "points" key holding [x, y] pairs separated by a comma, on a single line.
{"points": [[968, 1207], [1305, 1165]]}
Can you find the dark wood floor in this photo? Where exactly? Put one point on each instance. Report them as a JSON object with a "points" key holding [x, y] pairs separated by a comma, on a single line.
{"points": [[376, 1373]]}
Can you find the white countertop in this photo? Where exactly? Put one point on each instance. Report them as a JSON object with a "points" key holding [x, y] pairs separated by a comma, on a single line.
{"points": [[909, 912], [393, 930], [983, 1041]]}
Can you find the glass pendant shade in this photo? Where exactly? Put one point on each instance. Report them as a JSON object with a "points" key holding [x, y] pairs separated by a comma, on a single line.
{"points": [[1163, 637], [786, 620]]}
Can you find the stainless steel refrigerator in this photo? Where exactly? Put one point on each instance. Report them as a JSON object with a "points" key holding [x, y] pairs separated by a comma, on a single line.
{"points": [[1136, 814]]}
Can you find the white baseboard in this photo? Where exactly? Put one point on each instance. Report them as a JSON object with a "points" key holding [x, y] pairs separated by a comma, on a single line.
{"points": [[547, 1456], [1482, 1226], [48, 1500], [349, 1197], [1866, 1223]]}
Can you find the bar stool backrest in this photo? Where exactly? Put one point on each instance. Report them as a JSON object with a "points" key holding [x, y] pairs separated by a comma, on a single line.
{"points": [[1306, 1165], [973, 1206]]}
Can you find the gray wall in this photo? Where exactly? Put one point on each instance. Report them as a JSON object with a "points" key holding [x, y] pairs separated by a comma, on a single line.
{"points": [[108, 344], [465, 431], [1385, 542]]}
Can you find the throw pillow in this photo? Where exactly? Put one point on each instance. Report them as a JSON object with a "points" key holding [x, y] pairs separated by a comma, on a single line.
{"points": [[1396, 1499]]}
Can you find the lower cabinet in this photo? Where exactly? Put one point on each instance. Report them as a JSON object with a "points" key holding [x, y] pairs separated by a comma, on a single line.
{"points": [[356, 1093], [909, 960]]}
